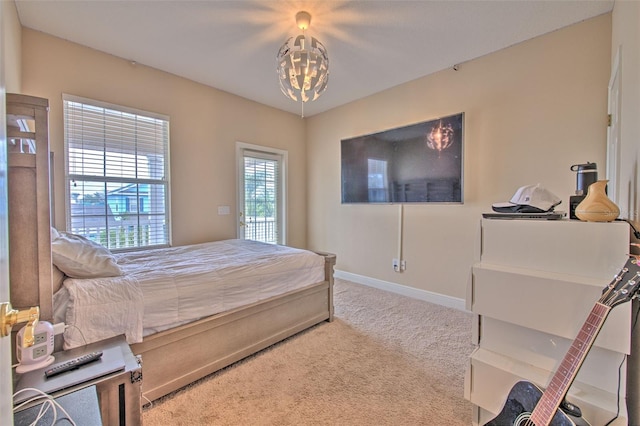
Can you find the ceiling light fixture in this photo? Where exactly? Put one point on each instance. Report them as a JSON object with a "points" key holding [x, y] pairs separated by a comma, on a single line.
{"points": [[303, 65], [440, 137]]}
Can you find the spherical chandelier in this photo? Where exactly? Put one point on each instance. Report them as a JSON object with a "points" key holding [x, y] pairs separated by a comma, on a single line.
{"points": [[303, 65], [440, 137]]}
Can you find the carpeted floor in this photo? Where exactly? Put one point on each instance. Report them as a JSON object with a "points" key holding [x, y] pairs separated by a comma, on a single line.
{"points": [[385, 360]]}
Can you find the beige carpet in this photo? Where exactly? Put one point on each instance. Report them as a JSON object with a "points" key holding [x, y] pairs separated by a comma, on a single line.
{"points": [[385, 360]]}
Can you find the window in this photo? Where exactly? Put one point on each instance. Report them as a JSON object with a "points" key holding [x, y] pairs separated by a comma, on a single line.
{"points": [[117, 174], [377, 180], [261, 194]]}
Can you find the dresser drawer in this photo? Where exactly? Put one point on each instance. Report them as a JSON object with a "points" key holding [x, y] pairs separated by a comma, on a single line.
{"points": [[491, 376], [557, 304], [596, 250]]}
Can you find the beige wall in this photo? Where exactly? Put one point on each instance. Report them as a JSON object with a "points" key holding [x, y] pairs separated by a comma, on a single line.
{"points": [[531, 111], [11, 47], [626, 40], [205, 125]]}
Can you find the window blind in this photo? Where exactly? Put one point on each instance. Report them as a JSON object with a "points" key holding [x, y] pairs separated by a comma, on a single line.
{"points": [[378, 181], [117, 174], [261, 186]]}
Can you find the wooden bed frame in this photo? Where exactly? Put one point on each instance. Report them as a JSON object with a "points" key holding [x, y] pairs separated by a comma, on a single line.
{"points": [[173, 358]]}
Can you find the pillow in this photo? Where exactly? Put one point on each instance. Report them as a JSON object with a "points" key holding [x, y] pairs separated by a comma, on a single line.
{"points": [[79, 257], [57, 278]]}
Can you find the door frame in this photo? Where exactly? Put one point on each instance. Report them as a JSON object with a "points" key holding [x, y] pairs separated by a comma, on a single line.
{"points": [[614, 106], [241, 147], [6, 377]]}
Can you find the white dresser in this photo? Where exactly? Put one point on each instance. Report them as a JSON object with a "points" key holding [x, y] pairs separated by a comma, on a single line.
{"points": [[531, 292]]}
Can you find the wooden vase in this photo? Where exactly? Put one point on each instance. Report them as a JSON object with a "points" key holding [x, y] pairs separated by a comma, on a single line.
{"points": [[597, 207]]}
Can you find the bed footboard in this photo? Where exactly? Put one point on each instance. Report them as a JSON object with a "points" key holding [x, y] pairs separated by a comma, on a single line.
{"points": [[174, 358]]}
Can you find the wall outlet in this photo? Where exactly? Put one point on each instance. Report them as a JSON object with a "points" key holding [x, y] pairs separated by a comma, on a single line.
{"points": [[39, 352], [399, 265], [40, 338]]}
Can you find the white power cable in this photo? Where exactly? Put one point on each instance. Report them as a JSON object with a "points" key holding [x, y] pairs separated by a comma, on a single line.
{"points": [[48, 403]]}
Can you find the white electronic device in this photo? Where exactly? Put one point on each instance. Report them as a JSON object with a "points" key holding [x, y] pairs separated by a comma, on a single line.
{"points": [[39, 354]]}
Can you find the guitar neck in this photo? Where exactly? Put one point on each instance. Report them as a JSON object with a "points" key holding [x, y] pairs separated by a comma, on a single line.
{"points": [[566, 373], [546, 408]]}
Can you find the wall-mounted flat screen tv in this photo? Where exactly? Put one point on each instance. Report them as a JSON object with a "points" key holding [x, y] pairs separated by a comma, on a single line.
{"points": [[419, 163]]}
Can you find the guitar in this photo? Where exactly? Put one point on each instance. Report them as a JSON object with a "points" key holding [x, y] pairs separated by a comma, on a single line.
{"points": [[527, 404]]}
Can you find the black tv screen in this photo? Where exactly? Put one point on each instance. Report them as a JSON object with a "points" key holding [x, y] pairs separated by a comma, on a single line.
{"points": [[419, 163]]}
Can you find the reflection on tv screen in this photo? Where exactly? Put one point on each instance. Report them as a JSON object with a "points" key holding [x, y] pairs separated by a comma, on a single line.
{"points": [[419, 163]]}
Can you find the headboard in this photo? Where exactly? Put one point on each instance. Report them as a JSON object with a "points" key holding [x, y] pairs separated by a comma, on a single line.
{"points": [[29, 203]]}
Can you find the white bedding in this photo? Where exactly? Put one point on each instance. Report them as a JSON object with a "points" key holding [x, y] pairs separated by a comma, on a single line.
{"points": [[166, 287]]}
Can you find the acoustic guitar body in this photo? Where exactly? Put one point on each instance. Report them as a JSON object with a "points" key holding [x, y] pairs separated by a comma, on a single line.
{"points": [[522, 399]]}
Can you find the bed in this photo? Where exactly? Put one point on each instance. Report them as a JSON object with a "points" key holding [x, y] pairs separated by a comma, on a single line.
{"points": [[180, 349], [188, 310]]}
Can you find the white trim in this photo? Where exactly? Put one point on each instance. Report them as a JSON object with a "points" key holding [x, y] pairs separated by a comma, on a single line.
{"points": [[241, 147], [415, 293], [613, 139], [116, 107]]}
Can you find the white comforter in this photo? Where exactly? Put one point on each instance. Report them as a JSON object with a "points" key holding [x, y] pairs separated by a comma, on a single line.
{"points": [[163, 288]]}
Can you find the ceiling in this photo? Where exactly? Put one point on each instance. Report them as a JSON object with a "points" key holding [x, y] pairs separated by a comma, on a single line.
{"points": [[372, 45]]}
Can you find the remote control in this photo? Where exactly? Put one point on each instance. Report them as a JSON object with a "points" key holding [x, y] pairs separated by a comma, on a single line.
{"points": [[72, 364]]}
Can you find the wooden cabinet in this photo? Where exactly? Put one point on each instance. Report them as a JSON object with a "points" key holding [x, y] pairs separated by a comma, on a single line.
{"points": [[531, 291]]}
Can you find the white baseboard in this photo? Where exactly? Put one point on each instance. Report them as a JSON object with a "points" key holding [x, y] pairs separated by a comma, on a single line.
{"points": [[427, 296]]}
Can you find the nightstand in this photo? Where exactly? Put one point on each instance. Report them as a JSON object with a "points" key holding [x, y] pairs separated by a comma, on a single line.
{"points": [[82, 407], [119, 392]]}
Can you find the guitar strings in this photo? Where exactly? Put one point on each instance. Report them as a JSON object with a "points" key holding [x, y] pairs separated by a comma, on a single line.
{"points": [[608, 296]]}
